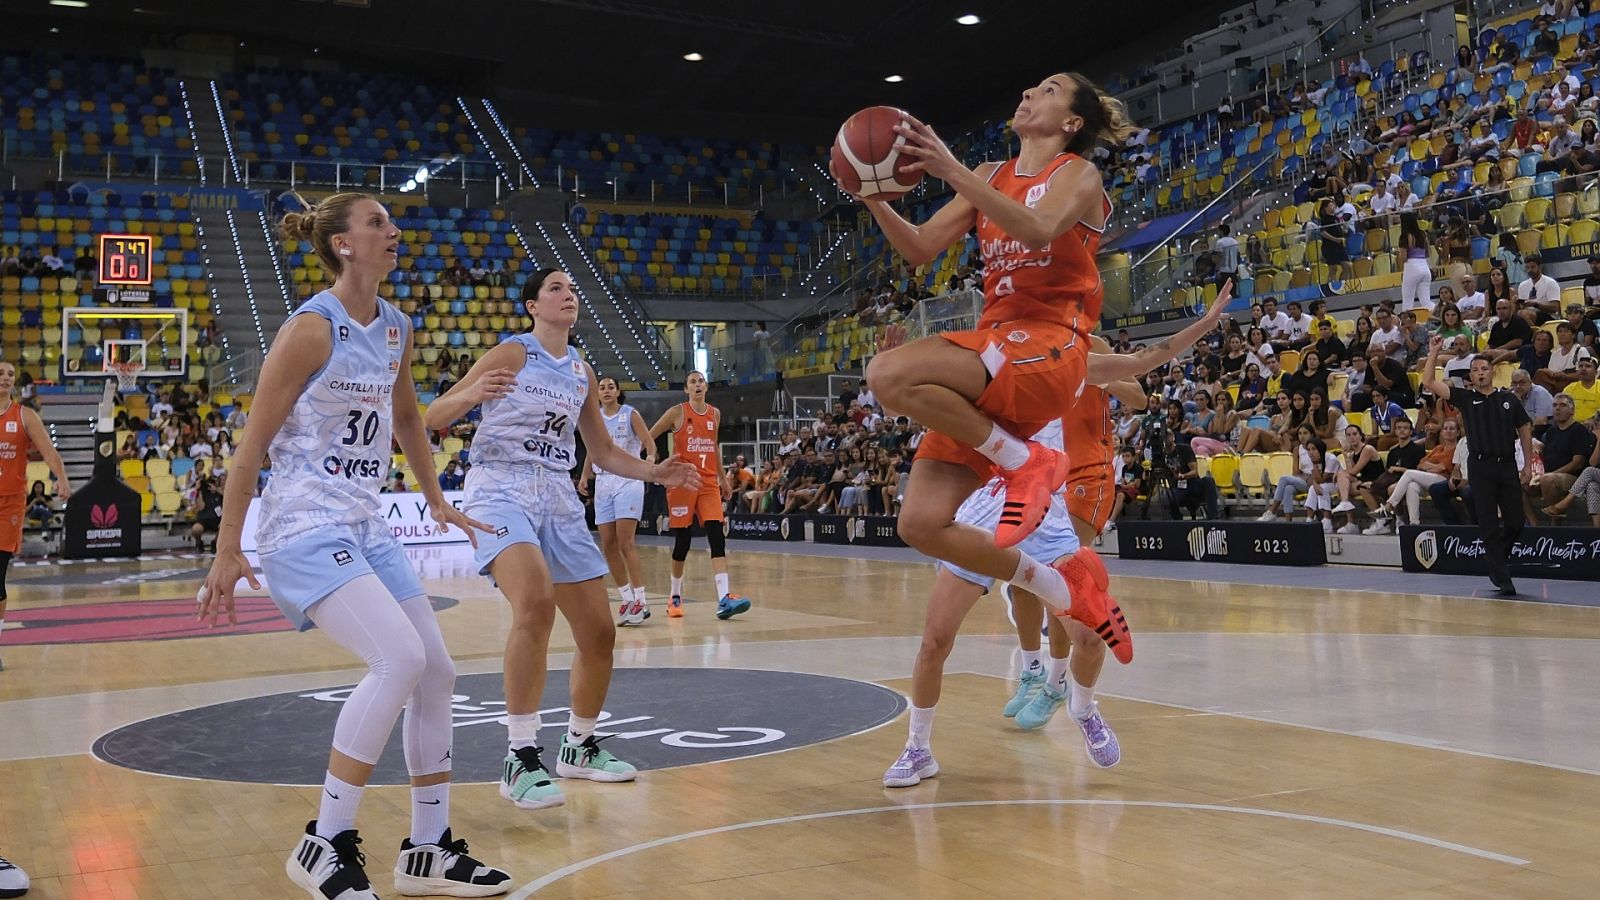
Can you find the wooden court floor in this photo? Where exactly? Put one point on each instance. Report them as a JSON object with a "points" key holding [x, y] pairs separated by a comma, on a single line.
{"points": [[1277, 743]]}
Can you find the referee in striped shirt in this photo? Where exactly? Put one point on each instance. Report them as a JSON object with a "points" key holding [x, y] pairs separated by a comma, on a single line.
{"points": [[1494, 422]]}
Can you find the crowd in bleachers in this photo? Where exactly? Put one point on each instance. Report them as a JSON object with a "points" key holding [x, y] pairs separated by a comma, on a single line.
{"points": [[1298, 408], [696, 254]]}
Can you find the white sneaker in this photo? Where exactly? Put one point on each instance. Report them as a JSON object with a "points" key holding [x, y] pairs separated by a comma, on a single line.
{"points": [[445, 870], [630, 613], [1110, 527], [13, 881], [1267, 516], [1350, 528], [330, 870], [1344, 507], [1327, 526], [1379, 526]]}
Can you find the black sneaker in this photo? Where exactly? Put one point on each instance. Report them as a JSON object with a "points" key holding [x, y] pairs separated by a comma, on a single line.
{"points": [[445, 869], [330, 870], [13, 881]]}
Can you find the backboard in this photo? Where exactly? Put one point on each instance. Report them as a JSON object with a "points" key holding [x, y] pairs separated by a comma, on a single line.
{"points": [[95, 339]]}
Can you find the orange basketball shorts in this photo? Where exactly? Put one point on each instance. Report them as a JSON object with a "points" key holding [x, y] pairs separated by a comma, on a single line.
{"points": [[11, 511], [1036, 372], [1091, 494], [687, 505]]}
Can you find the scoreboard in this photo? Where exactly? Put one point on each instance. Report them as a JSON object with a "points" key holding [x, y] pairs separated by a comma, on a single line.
{"points": [[125, 268]]}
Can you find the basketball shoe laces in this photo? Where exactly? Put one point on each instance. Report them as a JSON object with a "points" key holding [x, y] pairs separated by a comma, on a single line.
{"points": [[347, 850], [591, 747], [529, 757]]}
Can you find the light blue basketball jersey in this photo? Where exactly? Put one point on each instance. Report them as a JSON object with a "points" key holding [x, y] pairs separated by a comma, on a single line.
{"points": [[620, 428], [982, 508], [535, 425], [331, 456]]}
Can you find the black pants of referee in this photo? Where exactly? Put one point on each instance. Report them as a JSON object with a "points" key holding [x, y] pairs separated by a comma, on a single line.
{"points": [[1497, 498]]}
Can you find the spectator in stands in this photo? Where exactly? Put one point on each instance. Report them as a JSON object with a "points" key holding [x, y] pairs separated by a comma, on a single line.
{"points": [[1545, 43], [1252, 390], [1188, 490], [1565, 448], [1280, 424], [1508, 333], [1385, 371], [1435, 466], [1359, 469], [1585, 330], [1384, 413], [742, 478], [1333, 232], [1448, 324], [1227, 249], [1562, 368], [50, 263], [10, 262], [1273, 322], [1458, 366], [1536, 356], [1539, 290], [1507, 257], [451, 478], [28, 262], [38, 505], [1310, 453], [1259, 349], [1536, 401], [1416, 335], [1310, 377], [1388, 336], [1585, 392], [1587, 484], [128, 450], [1300, 326], [803, 484]]}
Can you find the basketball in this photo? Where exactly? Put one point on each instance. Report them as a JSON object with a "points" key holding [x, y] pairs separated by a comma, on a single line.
{"points": [[866, 155]]}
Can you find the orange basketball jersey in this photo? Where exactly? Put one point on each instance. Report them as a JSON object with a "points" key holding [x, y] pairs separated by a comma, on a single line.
{"points": [[13, 452], [695, 439], [1086, 432], [1050, 284]]}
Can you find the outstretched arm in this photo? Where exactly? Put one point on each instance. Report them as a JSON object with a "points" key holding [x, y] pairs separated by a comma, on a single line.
{"points": [[607, 455], [1105, 368], [39, 439]]}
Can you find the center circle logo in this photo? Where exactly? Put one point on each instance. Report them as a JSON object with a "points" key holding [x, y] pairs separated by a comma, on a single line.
{"points": [[659, 718]]}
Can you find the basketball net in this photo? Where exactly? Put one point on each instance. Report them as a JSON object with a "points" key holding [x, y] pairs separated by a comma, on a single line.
{"points": [[127, 374]]}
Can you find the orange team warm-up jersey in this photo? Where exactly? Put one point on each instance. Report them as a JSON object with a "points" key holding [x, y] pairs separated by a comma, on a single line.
{"points": [[13, 452], [1051, 284], [695, 439]]}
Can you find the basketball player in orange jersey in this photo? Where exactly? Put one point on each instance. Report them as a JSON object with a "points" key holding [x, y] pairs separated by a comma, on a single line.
{"points": [[1076, 654], [984, 392], [694, 426], [20, 431]]}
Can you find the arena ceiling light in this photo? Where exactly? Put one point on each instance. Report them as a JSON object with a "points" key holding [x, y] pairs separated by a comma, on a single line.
{"points": [[75, 4], [692, 56], [894, 79], [968, 19]]}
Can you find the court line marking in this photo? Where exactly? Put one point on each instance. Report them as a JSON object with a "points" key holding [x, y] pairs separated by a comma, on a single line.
{"points": [[550, 878]]}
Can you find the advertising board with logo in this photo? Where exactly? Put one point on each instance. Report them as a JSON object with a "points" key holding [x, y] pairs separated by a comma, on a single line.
{"points": [[1571, 553], [407, 515], [103, 516], [868, 531], [1248, 543], [767, 528]]}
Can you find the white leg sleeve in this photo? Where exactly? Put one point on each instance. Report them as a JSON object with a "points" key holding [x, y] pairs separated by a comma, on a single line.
{"points": [[363, 617], [427, 726]]}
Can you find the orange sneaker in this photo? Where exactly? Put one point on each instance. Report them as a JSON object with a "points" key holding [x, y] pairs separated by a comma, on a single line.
{"points": [[1028, 492], [675, 607], [1088, 580]]}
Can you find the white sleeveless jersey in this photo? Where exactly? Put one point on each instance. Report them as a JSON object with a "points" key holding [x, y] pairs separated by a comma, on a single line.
{"points": [[534, 426], [982, 508], [620, 428], [331, 456]]}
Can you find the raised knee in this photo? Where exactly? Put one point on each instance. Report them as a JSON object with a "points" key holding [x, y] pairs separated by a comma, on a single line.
{"points": [[886, 374]]}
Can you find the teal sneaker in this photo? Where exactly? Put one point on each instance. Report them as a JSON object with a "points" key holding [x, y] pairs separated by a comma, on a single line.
{"points": [[732, 605], [587, 760], [1039, 710], [1028, 686], [525, 782]]}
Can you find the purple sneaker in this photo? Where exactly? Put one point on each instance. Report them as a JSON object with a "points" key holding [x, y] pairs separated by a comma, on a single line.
{"points": [[1098, 739], [912, 766]]}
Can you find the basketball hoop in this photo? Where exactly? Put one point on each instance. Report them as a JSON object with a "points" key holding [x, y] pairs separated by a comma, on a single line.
{"points": [[127, 374]]}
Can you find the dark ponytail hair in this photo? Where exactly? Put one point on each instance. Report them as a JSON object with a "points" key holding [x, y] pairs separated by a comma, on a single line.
{"points": [[531, 287], [1104, 117]]}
